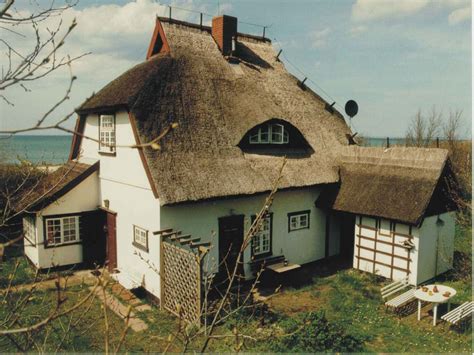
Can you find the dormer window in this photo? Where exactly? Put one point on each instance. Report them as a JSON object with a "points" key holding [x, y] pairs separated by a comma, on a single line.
{"points": [[273, 133], [275, 137]]}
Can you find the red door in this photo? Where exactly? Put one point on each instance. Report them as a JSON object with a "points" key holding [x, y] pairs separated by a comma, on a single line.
{"points": [[111, 223]]}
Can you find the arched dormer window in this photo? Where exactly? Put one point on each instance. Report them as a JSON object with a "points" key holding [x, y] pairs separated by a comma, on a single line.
{"points": [[272, 133], [275, 137]]}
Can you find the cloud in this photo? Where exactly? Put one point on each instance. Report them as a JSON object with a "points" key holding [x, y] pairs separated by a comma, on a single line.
{"points": [[368, 10], [357, 30], [319, 38], [459, 15], [374, 10]]}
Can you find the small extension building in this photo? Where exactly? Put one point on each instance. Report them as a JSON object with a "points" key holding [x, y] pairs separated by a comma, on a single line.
{"points": [[210, 114]]}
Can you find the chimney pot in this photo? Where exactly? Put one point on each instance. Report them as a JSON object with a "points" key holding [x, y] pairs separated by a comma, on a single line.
{"points": [[224, 30]]}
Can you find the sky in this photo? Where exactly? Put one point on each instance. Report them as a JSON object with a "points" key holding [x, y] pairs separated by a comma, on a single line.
{"points": [[392, 57]]}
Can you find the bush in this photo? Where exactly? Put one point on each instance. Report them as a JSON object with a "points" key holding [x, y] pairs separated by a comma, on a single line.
{"points": [[312, 332]]}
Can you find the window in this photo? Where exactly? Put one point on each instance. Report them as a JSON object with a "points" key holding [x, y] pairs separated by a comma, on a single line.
{"points": [[107, 133], [29, 229], [274, 133], [261, 242], [140, 238], [62, 230], [298, 220]]}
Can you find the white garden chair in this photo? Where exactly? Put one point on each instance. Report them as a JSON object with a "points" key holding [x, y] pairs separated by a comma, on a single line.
{"points": [[398, 294], [460, 313]]}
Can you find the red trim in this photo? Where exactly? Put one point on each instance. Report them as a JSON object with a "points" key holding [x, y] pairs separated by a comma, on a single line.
{"points": [[77, 138], [158, 33], [142, 155]]}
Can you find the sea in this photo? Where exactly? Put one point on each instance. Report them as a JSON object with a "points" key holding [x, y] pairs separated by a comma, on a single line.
{"points": [[54, 150]]}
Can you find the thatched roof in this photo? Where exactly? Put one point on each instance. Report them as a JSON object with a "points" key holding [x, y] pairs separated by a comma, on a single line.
{"points": [[215, 103], [394, 183], [53, 186]]}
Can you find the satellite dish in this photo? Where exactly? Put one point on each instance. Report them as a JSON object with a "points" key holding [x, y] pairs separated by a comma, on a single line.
{"points": [[351, 108]]}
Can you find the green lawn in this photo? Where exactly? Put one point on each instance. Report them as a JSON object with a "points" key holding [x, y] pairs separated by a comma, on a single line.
{"points": [[345, 305]]}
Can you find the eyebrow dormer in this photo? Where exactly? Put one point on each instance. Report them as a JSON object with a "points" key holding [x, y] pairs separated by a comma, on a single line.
{"points": [[274, 136]]}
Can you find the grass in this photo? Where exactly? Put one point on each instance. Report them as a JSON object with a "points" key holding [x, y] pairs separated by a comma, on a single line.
{"points": [[353, 298], [349, 300]]}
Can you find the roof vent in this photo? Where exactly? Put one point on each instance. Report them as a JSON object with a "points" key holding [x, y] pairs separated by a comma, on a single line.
{"points": [[224, 31]]}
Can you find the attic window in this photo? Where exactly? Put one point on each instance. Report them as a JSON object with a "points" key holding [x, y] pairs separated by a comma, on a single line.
{"points": [[275, 137], [273, 133]]}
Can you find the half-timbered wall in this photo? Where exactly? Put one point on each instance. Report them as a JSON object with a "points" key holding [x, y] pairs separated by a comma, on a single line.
{"points": [[395, 250]]}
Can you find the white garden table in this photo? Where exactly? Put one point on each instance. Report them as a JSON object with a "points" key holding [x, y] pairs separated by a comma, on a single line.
{"points": [[436, 298]]}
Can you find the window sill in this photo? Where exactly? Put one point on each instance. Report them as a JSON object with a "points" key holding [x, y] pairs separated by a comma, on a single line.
{"points": [[48, 246], [139, 246], [297, 229], [112, 154], [261, 257]]}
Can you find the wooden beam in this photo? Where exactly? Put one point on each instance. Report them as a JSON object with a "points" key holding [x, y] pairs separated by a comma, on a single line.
{"points": [[381, 263], [167, 230], [190, 241]]}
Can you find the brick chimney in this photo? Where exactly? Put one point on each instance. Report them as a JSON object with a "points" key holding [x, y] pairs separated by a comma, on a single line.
{"points": [[224, 29]]}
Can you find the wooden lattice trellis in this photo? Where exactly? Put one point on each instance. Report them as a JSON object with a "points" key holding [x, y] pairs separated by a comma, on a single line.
{"points": [[180, 272]]}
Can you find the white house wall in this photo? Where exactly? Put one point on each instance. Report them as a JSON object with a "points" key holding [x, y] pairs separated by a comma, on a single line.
{"points": [[124, 184], [302, 246], [436, 246], [83, 197]]}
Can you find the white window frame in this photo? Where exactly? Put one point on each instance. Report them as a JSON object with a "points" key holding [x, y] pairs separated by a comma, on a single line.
{"points": [[61, 238], [107, 134], [298, 221], [262, 241], [140, 237], [29, 229], [273, 133]]}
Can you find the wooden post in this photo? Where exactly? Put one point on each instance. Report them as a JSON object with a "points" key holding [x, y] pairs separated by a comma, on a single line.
{"points": [[162, 276], [388, 142], [437, 142], [200, 22], [278, 55], [170, 12], [264, 31]]}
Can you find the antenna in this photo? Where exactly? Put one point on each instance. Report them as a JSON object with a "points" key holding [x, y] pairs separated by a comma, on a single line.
{"points": [[351, 109]]}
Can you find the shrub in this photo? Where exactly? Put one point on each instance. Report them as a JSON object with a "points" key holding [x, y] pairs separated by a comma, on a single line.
{"points": [[312, 332]]}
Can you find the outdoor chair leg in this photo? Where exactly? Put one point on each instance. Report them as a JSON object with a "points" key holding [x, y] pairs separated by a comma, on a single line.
{"points": [[419, 310]]}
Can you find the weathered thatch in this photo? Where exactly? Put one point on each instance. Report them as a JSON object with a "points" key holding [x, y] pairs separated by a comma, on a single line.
{"points": [[394, 183], [215, 103], [53, 186]]}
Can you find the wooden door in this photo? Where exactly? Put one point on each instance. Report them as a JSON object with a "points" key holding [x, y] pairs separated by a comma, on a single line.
{"points": [[231, 237], [94, 241], [347, 235], [111, 230]]}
